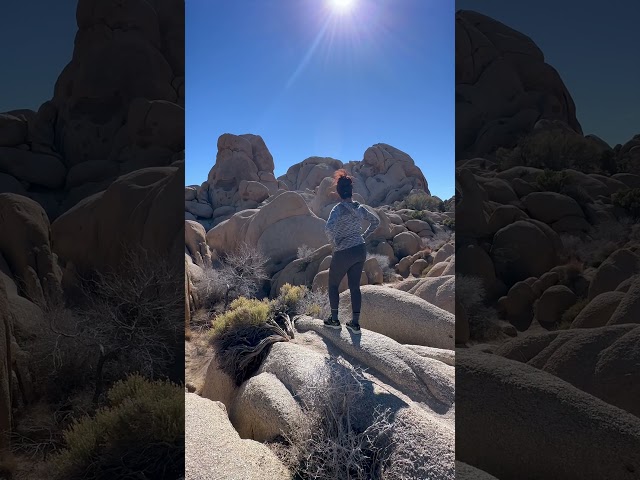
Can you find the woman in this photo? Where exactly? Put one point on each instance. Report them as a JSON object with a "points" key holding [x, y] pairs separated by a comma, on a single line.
{"points": [[344, 230]]}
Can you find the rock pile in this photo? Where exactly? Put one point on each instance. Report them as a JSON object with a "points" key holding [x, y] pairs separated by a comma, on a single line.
{"points": [[554, 254]]}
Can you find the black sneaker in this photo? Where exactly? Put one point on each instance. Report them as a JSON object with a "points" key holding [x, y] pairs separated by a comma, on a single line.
{"points": [[331, 323], [353, 327]]}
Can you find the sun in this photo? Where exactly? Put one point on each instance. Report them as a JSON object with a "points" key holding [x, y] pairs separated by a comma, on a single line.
{"points": [[342, 6]]}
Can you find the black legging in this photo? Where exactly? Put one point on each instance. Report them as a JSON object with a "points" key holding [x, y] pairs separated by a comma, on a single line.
{"points": [[350, 262]]}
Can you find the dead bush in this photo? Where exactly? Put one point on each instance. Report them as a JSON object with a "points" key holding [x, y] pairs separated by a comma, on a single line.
{"points": [[134, 315], [243, 272], [483, 319], [328, 445]]}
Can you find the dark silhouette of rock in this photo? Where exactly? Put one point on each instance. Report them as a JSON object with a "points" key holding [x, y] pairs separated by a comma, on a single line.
{"points": [[118, 106], [503, 86]]}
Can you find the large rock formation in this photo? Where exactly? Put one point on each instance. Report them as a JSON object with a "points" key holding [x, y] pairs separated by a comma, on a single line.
{"points": [[503, 86], [118, 106], [136, 211], [384, 175], [242, 178], [26, 248], [264, 228]]}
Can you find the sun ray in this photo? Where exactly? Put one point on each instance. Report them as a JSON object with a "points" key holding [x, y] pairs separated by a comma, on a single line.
{"points": [[307, 57]]}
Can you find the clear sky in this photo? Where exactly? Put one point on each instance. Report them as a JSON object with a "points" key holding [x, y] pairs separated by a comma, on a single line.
{"points": [[594, 46], [37, 43], [315, 82]]}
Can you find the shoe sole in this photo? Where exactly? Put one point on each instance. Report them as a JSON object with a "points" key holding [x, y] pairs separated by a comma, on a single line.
{"points": [[336, 327], [355, 332]]}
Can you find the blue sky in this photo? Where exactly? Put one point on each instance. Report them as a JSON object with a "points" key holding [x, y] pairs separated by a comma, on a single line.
{"points": [[37, 43], [594, 47], [314, 82]]}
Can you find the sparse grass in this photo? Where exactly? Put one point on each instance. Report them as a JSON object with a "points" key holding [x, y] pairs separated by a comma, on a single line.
{"points": [[139, 434], [328, 445], [201, 320]]}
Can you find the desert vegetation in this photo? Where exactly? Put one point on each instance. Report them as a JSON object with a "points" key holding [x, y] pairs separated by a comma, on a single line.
{"points": [[555, 149], [100, 361], [329, 444], [106, 446]]}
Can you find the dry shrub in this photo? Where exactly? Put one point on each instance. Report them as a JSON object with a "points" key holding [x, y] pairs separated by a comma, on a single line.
{"points": [[314, 304], [140, 434], [554, 149], [603, 240], [383, 261], [242, 337], [483, 320], [211, 288], [64, 356], [305, 251], [135, 317], [628, 200], [570, 315], [422, 201], [243, 272], [328, 445], [551, 181], [289, 299]]}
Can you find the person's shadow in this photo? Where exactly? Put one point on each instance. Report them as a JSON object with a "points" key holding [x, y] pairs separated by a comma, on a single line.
{"points": [[355, 338]]}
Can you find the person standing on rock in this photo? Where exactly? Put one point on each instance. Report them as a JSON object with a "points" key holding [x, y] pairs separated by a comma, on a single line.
{"points": [[344, 230]]}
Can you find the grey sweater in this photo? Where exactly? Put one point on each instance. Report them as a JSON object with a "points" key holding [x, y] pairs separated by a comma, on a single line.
{"points": [[344, 228]]}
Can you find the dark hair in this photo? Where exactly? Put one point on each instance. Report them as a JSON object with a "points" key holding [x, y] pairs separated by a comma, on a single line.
{"points": [[344, 183]]}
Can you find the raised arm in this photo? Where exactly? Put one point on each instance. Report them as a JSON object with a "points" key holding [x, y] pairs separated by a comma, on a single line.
{"points": [[370, 217]]}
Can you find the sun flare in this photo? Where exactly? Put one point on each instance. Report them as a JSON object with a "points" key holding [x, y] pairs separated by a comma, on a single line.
{"points": [[342, 6]]}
